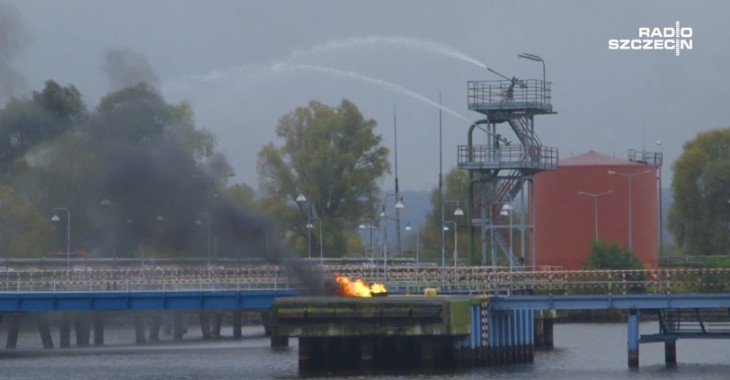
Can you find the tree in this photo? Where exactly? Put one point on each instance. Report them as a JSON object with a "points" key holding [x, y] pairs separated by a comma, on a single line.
{"points": [[455, 189], [700, 215], [610, 256], [26, 123], [333, 157], [26, 231]]}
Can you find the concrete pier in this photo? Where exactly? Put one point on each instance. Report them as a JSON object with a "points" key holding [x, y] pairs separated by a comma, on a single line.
{"points": [[64, 327], [45, 331], [402, 332], [98, 330]]}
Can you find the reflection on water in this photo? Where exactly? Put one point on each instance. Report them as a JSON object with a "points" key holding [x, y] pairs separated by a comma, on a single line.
{"points": [[583, 351]]}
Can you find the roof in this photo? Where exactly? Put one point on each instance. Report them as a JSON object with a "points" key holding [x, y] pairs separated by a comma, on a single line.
{"points": [[593, 158]]}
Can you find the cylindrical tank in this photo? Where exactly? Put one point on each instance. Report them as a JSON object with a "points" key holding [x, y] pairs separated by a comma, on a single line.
{"points": [[569, 204]]}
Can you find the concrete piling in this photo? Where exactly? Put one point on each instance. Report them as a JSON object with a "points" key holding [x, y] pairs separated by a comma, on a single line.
{"points": [[45, 331], [98, 330]]}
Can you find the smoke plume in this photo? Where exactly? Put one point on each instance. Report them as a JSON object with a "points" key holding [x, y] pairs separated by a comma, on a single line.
{"points": [[13, 40], [125, 68], [163, 192]]}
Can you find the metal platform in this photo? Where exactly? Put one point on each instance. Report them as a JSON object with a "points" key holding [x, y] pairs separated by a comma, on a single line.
{"points": [[509, 96], [515, 157]]}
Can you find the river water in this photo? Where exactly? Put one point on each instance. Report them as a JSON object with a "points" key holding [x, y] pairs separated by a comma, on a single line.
{"points": [[582, 351]]}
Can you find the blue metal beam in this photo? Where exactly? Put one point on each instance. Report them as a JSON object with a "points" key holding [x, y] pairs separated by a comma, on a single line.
{"points": [[108, 301], [610, 301]]}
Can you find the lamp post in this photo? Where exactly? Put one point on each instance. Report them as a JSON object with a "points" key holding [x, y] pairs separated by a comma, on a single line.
{"points": [[55, 218], [207, 246], [370, 227], [418, 234], [456, 240], [383, 214], [507, 210], [457, 212], [595, 207], [630, 176], [536, 58], [301, 199], [321, 250]]}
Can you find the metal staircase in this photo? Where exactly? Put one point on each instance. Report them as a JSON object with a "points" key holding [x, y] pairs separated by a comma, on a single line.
{"points": [[503, 165]]}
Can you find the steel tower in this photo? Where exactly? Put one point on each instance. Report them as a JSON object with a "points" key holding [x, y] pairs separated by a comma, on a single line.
{"points": [[499, 168]]}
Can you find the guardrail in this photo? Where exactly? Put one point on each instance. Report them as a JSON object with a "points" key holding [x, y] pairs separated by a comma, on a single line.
{"points": [[474, 280]]}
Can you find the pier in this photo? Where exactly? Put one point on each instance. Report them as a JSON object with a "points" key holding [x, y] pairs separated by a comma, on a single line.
{"points": [[480, 317]]}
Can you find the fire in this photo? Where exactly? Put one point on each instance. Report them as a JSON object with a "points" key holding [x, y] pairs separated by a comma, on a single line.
{"points": [[358, 288]]}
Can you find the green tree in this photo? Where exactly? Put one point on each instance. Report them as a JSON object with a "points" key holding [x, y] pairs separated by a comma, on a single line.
{"points": [[610, 256], [26, 123], [455, 189], [333, 157], [26, 231], [699, 218]]}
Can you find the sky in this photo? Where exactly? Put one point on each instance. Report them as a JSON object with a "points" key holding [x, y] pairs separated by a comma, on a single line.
{"points": [[242, 65]]}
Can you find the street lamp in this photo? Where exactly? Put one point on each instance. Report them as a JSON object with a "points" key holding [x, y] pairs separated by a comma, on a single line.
{"points": [[595, 206], [418, 233], [536, 58], [457, 212], [370, 227], [198, 222], [456, 240], [55, 218], [301, 199], [383, 214], [507, 210], [630, 176], [321, 250]]}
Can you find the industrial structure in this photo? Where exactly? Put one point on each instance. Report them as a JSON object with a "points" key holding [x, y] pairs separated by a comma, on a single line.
{"points": [[594, 196], [499, 168]]}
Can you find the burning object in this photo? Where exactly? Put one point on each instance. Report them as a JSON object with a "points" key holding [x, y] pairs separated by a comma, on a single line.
{"points": [[358, 288]]}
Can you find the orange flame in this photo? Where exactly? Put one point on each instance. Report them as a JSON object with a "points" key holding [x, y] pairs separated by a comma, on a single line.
{"points": [[358, 288]]}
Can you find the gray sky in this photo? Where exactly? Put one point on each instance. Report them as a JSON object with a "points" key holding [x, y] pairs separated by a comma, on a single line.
{"points": [[236, 63]]}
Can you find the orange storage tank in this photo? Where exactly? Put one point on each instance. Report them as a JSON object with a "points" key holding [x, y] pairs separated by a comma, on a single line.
{"points": [[565, 215]]}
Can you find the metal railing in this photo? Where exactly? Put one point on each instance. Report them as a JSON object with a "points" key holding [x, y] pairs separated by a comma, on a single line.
{"points": [[536, 157], [531, 92], [401, 279]]}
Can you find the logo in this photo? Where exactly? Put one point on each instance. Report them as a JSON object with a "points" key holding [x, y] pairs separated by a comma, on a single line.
{"points": [[669, 38]]}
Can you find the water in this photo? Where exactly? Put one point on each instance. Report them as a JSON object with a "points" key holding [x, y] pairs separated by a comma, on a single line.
{"points": [[397, 41], [582, 351], [375, 81]]}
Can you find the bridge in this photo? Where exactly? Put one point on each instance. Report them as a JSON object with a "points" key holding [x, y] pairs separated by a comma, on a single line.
{"points": [[687, 303]]}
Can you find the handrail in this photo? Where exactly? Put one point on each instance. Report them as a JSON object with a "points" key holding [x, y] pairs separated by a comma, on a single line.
{"points": [[466, 279]]}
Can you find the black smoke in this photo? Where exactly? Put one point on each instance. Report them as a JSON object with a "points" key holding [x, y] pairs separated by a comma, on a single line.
{"points": [[13, 40], [163, 191], [125, 68]]}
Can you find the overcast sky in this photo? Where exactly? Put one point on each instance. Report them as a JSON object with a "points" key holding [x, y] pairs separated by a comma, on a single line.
{"points": [[243, 64]]}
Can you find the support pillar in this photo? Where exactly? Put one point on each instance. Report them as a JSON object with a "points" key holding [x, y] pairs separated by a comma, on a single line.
{"points": [[83, 331], [670, 352], [155, 322], [633, 341], [236, 321], [139, 329], [547, 331], [266, 319], [217, 323], [45, 331], [65, 333], [13, 331], [98, 330], [178, 329], [204, 325]]}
